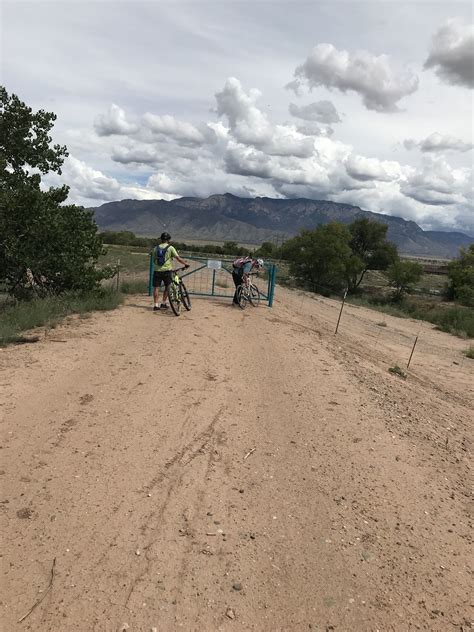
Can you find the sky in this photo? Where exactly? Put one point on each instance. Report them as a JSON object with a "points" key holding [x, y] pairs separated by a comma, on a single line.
{"points": [[366, 103]]}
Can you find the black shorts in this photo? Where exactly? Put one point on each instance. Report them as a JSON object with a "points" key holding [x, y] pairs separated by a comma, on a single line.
{"points": [[162, 277]]}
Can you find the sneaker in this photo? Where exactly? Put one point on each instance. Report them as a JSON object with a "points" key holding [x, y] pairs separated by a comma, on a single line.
{"points": [[163, 306], [155, 308]]}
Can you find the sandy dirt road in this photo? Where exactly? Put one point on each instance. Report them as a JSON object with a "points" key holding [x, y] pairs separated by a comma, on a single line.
{"points": [[233, 470]]}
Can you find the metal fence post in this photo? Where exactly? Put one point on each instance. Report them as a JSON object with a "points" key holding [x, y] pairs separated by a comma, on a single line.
{"points": [[150, 277], [272, 286], [213, 282]]}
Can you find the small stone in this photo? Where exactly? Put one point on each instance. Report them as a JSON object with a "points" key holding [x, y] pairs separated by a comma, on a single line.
{"points": [[124, 627], [137, 552], [154, 630], [230, 613], [237, 586]]}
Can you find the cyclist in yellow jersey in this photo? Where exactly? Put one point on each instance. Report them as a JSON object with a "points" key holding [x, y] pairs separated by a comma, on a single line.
{"points": [[163, 255]]}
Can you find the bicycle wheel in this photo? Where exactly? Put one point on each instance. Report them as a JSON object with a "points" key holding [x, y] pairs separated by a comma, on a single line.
{"points": [[185, 296], [241, 297], [254, 295], [175, 298]]}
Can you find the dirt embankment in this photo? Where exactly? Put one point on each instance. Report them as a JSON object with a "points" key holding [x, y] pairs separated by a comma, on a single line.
{"points": [[233, 470]]}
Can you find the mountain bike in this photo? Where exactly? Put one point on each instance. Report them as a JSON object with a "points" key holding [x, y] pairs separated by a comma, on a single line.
{"points": [[177, 293], [248, 292]]}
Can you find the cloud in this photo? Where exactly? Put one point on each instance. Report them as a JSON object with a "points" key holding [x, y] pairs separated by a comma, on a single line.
{"points": [[437, 183], [179, 131], [320, 112], [246, 153], [361, 168], [437, 142], [313, 129], [368, 75], [249, 126], [452, 53], [88, 182], [114, 122], [247, 123]]}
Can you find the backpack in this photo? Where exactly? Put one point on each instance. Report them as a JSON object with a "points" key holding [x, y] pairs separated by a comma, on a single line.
{"points": [[240, 262], [160, 255]]}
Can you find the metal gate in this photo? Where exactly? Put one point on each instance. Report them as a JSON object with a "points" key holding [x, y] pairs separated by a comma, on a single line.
{"points": [[213, 277]]}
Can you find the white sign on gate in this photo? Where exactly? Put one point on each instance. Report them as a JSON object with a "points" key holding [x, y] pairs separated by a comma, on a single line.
{"points": [[213, 264]]}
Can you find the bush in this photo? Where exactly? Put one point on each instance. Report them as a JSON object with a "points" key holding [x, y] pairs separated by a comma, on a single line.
{"points": [[47, 312], [461, 277]]}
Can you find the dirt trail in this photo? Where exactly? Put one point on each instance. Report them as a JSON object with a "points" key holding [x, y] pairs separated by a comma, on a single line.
{"points": [[233, 470]]}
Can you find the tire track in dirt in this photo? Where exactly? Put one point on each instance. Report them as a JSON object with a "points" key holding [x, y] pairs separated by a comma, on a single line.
{"points": [[350, 514]]}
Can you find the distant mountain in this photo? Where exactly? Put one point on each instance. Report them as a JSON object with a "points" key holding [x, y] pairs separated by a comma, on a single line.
{"points": [[254, 220]]}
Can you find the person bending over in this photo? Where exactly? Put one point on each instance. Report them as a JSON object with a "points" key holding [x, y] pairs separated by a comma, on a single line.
{"points": [[241, 268]]}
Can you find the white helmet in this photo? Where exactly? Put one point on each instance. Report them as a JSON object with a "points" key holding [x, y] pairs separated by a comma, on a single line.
{"points": [[260, 263]]}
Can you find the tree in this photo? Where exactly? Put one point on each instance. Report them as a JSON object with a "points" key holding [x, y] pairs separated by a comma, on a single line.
{"points": [[322, 258], [43, 243], [461, 277], [267, 249], [368, 243], [402, 275]]}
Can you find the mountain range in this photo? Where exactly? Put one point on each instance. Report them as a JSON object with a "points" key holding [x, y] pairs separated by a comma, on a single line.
{"points": [[255, 220]]}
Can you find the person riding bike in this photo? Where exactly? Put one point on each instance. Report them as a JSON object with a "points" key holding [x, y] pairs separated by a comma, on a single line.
{"points": [[241, 268], [163, 255]]}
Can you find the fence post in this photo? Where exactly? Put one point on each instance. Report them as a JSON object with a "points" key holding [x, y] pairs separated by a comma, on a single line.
{"points": [[411, 354], [213, 282], [272, 286], [150, 276], [340, 313], [118, 275]]}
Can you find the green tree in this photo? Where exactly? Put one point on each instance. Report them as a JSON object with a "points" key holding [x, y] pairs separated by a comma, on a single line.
{"points": [[368, 243], [267, 249], [43, 243], [321, 259], [461, 277], [402, 275]]}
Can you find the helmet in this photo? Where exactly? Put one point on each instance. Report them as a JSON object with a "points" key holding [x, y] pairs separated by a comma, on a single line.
{"points": [[260, 263], [165, 237]]}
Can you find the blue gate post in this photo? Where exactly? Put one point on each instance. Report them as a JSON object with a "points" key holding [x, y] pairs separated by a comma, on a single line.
{"points": [[150, 278], [213, 281], [269, 284], [272, 286]]}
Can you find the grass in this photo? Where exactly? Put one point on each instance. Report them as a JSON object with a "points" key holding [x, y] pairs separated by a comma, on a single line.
{"points": [[48, 312], [396, 370], [453, 319], [132, 258], [469, 353], [134, 286]]}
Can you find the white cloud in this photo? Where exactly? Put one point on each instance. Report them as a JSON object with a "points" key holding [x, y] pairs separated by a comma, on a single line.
{"points": [[313, 129], [437, 142], [368, 75], [114, 122], [88, 182], [361, 168], [437, 183], [320, 112], [180, 131], [247, 123], [452, 53]]}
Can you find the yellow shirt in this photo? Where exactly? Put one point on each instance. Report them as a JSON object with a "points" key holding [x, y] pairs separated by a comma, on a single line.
{"points": [[170, 254]]}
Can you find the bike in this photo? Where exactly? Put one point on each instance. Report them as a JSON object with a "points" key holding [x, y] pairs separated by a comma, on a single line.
{"points": [[177, 293], [248, 292]]}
